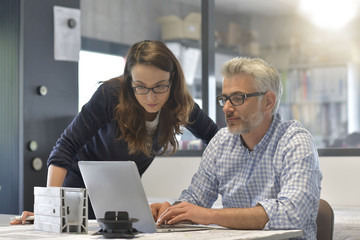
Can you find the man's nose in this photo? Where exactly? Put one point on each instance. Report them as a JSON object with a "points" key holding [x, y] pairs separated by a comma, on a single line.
{"points": [[228, 107]]}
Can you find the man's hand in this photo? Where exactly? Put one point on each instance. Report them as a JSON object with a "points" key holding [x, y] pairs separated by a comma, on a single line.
{"points": [[158, 208], [235, 218], [185, 211], [23, 219]]}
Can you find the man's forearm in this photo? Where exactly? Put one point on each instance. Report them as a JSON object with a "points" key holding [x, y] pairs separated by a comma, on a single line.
{"points": [[240, 218]]}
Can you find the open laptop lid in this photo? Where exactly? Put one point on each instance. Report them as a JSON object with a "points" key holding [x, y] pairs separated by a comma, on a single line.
{"points": [[116, 186]]}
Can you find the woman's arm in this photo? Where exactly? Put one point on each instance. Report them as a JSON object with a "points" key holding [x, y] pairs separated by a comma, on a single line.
{"points": [[201, 125], [94, 115], [56, 176]]}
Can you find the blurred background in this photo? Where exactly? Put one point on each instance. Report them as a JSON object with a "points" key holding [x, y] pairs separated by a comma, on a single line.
{"points": [[51, 62]]}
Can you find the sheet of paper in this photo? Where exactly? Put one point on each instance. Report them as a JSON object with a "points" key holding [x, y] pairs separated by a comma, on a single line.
{"points": [[67, 35]]}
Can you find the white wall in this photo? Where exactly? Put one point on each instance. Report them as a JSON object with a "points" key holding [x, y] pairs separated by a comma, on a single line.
{"points": [[341, 176], [168, 176]]}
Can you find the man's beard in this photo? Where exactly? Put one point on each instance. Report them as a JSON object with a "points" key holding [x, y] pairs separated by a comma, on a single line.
{"points": [[247, 124]]}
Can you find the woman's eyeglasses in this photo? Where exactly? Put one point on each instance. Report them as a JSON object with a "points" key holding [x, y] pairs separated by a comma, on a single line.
{"points": [[157, 89]]}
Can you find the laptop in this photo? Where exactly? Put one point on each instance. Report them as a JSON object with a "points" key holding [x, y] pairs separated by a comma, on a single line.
{"points": [[116, 186]]}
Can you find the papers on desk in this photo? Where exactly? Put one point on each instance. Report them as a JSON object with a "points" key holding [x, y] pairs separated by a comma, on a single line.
{"points": [[27, 232]]}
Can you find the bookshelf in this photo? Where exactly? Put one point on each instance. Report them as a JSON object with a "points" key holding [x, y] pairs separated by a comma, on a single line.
{"points": [[317, 96]]}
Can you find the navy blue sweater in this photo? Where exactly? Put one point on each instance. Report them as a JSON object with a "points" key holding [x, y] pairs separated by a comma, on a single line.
{"points": [[92, 136]]}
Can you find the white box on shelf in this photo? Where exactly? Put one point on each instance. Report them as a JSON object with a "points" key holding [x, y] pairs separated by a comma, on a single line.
{"points": [[174, 28], [171, 27], [192, 26]]}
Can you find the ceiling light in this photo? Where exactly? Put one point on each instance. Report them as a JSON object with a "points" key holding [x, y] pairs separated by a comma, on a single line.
{"points": [[329, 14]]}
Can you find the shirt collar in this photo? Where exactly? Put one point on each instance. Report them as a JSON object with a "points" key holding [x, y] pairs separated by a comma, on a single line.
{"points": [[270, 132]]}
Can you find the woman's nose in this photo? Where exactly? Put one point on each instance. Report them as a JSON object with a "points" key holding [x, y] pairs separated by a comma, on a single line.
{"points": [[151, 95]]}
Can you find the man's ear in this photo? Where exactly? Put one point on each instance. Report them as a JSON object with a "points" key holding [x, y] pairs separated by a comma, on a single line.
{"points": [[270, 99]]}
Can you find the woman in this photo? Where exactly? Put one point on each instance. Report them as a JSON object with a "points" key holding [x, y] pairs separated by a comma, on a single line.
{"points": [[134, 117]]}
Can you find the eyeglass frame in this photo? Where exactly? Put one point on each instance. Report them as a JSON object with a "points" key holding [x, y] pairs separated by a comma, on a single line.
{"points": [[224, 98], [152, 89]]}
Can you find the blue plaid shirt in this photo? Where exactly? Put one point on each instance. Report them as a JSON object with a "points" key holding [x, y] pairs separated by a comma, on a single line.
{"points": [[282, 174]]}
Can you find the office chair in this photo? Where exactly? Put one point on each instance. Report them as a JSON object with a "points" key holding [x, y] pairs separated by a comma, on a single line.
{"points": [[325, 221]]}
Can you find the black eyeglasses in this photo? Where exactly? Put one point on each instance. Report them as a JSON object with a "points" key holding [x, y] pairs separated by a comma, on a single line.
{"points": [[236, 99], [157, 89]]}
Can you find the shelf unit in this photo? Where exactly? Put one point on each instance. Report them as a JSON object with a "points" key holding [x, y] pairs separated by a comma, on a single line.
{"points": [[317, 96]]}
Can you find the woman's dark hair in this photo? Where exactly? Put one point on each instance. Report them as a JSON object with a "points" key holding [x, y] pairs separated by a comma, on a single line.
{"points": [[130, 114]]}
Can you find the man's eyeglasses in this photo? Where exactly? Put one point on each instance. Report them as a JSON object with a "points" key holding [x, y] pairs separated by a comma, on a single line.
{"points": [[157, 89], [236, 99]]}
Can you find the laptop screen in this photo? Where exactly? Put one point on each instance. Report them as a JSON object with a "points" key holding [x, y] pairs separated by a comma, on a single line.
{"points": [[116, 186]]}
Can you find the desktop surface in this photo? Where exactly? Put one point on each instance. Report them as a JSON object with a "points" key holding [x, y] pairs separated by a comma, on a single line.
{"points": [[5, 219], [27, 232]]}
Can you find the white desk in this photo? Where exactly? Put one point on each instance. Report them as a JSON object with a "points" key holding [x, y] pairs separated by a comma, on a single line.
{"points": [[347, 223], [27, 232], [5, 219]]}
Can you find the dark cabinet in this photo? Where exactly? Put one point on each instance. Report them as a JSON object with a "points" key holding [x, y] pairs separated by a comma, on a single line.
{"points": [[39, 98]]}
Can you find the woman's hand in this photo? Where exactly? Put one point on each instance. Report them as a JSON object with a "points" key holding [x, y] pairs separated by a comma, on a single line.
{"points": [[26, 217]]}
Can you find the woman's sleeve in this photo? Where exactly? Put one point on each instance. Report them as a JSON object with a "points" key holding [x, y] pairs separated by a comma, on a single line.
{"points": [[201, 125], [93, 116]]}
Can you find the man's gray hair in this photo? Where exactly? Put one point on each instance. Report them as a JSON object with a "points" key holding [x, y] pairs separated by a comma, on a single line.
{"points": [[266, 77]]}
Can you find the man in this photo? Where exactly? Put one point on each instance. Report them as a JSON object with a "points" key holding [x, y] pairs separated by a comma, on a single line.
{"points": [[265, 169]]}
